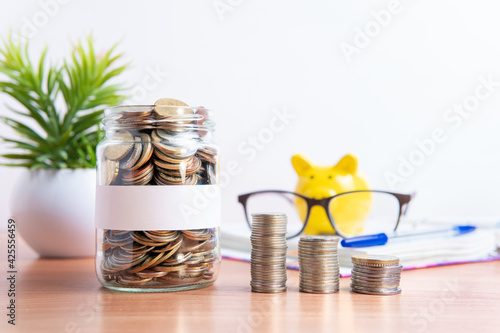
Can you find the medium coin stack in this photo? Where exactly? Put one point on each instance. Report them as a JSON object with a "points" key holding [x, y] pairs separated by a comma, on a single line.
{"points": [[319, 264], [268, 261], [376, 275], [158, 146]]}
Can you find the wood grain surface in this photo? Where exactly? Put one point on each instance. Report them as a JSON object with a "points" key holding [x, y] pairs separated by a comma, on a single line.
{"points": [[63, 295]]}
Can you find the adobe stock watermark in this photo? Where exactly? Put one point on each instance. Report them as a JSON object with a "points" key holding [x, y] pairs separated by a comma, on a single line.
{"points": [[223, 7], [424, 316], [85, 314], [153, 78], [248, 149], [255, 318], [454, 118], [364, 36], [31, 26]]}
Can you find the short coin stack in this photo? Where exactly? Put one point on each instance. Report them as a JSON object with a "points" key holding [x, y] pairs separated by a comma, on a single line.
{"points": [[319, 264], [376, 275], [268, 261]]}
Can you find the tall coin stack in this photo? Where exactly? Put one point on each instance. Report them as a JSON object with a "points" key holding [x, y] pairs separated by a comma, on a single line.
{"points": [[318, 264], [268, 261], [376, 275]]}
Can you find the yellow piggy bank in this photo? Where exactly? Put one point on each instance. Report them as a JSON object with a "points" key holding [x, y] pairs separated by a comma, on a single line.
{"points": [[315, 181]]}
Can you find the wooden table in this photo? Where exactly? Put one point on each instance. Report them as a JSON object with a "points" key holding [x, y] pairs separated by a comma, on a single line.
{"points": [[63, 295]]}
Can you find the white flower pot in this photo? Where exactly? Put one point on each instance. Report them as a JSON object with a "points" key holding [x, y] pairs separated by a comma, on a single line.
{"points": [[54, 211]]}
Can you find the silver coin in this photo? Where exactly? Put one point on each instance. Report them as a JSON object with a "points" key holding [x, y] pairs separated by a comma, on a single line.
{"points": [[319, 282], [268, 239], [381, 292], [321, 260], [320, 272], [316, 284], [318, 267], [375, 260], [374, 288], [365, 269], [375, 269], [267, 288], [278, 258], [267, 232], [373, 277], [268, 273], [325, 290], [269, 261], [320, 239], [377, 272]]}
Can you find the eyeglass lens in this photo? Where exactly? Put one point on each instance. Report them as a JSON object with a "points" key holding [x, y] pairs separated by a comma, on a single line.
{"points": [[354, 214]]}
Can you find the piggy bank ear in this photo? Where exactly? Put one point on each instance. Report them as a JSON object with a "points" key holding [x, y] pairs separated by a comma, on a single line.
{"points": [[300, 164], [348, 164]]}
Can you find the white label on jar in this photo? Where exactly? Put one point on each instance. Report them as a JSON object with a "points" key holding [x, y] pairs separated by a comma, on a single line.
{"points": [[163, 207]]}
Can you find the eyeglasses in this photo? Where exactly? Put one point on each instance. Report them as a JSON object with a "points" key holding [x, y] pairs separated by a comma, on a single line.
{"points": [[348, 214]]}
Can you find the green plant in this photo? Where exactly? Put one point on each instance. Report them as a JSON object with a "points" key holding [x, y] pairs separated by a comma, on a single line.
{"points": [[66, 101]]}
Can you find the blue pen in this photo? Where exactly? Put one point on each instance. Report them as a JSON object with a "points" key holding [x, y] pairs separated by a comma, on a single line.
{"points": [[382, 238]]}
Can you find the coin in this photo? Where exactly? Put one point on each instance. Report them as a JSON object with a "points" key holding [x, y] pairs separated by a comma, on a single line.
{"points": [[318, 264], [119, 150], [376, 275], [146, 152], [376, 291], [111, 170], [173, 114], [268, 255], [375, 260], [131, 159]]}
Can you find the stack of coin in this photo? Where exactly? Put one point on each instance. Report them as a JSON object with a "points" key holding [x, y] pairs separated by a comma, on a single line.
{"points": [[376, 274], [319, 264], [268, 261], [175, 164]]}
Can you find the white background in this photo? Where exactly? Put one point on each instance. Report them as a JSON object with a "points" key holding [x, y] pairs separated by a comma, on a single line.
{"points": [[259, 56]]}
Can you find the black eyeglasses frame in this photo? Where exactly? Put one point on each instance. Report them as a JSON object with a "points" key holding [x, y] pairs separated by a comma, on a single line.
{"points": [[403, 200]]}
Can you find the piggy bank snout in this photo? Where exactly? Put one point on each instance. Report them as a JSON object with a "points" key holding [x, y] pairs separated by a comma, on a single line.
{"points": [[320, 192]]}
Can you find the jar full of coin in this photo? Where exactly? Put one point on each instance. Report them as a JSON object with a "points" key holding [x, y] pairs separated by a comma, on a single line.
{"points": [[158, 203]]}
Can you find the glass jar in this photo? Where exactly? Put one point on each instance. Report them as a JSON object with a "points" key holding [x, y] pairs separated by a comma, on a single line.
{"points": [[158, 204]]}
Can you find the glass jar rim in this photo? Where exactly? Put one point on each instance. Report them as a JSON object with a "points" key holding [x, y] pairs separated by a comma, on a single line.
{"points": [[145, 116]]}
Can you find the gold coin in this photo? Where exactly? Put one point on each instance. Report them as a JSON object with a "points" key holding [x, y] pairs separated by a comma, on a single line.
{"points": [[167, 107], [168, 269], [375, 260], [118, 151], [111, 170], [130, 280], [134, 175], [140, 238], [150, 261], [134, 156], [180, 280], [149, 273], [163, 236], [170, 158], [168, 255], [147, 151], [198, 234]]}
